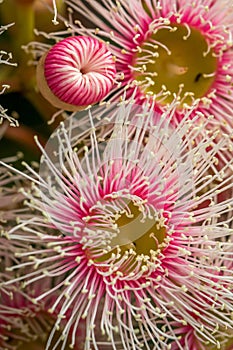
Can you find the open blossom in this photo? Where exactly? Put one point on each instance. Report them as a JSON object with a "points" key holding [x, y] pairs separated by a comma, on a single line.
{"points": [[24, 323], [129, 232], [166, 48]]}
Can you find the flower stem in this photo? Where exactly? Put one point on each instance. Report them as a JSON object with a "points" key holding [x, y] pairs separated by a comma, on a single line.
{"points": [[25, 19]]}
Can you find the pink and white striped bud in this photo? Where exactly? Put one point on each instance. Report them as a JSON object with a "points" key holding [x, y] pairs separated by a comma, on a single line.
{"points": [[76, 72]]}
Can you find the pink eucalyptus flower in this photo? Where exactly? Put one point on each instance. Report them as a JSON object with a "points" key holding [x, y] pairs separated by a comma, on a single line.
{"points": [[25, 322], [168, 48], [21, 321], [124, 229]]}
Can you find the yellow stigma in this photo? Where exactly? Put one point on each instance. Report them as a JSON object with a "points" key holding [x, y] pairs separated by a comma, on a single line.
{"points": [[40, 344], [175, 61], [137, 237], [35, 345]]}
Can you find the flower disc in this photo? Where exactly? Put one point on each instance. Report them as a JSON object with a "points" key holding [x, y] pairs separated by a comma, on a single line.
{"points": [[179, 62]]}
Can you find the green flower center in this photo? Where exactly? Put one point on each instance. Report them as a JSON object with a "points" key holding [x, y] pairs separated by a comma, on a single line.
{"points": [[39, 344], [175, 61], [35, 345], [139, 238]]}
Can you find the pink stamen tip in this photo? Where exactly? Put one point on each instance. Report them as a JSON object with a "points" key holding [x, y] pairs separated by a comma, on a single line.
{"points": [[79, 70]]}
